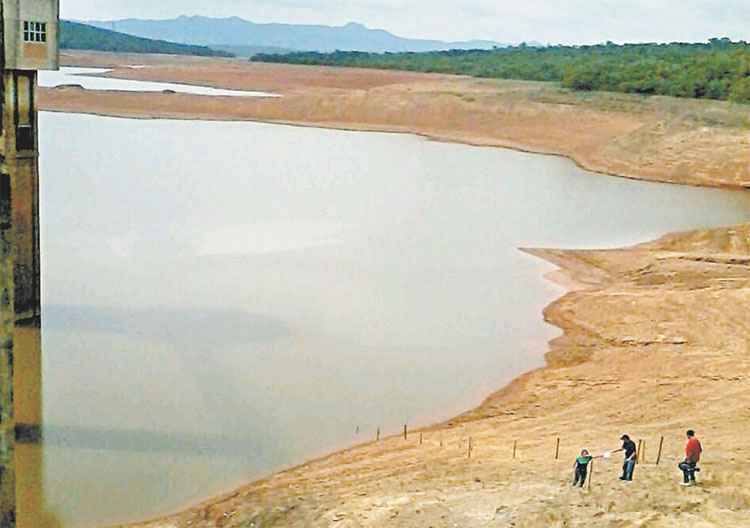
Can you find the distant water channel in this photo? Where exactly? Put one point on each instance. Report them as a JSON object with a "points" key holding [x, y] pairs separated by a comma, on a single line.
{"points": [[91, 79], [222, 300]]}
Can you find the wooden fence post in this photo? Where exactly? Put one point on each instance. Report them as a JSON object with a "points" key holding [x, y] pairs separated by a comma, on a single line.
{"points": [[405, 435], [638, 452], [661, 445], [591, 473], [377, 437], [557, 449], [515, 445], [470, 448], [420, 438]]}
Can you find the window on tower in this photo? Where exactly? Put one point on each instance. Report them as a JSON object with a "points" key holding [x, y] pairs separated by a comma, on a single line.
{"points": [[34, 31]]}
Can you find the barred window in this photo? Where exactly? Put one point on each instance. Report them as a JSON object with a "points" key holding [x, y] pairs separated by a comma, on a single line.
{"points": [[34, 31]]}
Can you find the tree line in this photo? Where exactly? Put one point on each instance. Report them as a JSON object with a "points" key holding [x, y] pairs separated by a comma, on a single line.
{"points": [[717, 69]]}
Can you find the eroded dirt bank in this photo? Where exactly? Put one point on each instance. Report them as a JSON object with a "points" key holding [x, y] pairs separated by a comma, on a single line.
{"points": [[656, 341], [664, 139]]}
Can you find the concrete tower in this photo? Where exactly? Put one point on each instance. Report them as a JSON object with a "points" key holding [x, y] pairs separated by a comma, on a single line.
{"points": [[30, 31]]}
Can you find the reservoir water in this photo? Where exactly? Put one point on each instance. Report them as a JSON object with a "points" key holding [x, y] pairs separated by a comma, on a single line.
{"points": [[222, 300], [91, 79]]}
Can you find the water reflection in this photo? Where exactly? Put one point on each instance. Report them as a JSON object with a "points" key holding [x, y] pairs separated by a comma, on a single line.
{"points": [[184, 327], [149, 441], [31, 505]]}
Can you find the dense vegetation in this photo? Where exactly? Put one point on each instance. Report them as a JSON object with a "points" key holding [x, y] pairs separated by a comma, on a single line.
{"points": [[82, 37], [719, 69], [248, 52]]}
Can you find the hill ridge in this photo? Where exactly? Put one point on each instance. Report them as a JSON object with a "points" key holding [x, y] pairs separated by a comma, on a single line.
{"points": [[236, 31]]}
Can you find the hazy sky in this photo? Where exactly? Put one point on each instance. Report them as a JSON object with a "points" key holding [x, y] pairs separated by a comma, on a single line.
{"points": [[563, 21]]}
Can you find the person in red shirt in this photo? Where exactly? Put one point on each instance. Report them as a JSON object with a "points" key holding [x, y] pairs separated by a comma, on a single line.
{"points": [[693, 452]]}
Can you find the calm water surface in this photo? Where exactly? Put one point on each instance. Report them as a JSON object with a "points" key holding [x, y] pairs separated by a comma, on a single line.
{"points": [[87, 78], [225, 299]]}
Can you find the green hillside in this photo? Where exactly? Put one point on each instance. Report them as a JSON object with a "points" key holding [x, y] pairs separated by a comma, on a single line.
{"points": [[718, 69], [82, 37]]}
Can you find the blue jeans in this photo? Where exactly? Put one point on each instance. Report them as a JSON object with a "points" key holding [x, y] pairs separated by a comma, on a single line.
{"points": [[627, 470], [688, 470]]}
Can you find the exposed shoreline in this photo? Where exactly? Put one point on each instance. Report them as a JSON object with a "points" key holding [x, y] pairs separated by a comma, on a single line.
{"points": [[376, 130], [638, 324], [681, 141]]}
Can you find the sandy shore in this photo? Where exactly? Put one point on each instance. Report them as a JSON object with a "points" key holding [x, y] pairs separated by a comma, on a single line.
{"points": [[655, 336], [659, 138]]}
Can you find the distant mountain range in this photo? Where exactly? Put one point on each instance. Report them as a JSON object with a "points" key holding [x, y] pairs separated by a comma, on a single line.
{"points": [[243, 37], [83, 37]]}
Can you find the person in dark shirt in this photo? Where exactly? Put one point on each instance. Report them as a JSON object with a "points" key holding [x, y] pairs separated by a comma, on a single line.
{"points": [[628, 446]]}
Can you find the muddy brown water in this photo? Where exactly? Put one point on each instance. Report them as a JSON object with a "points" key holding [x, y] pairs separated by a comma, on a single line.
{"points": [[222, 300]]}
